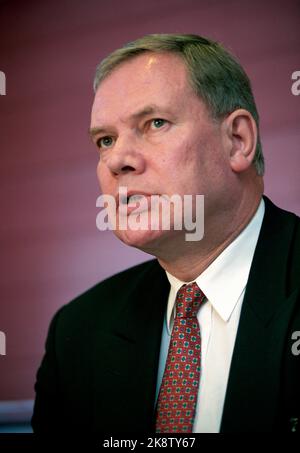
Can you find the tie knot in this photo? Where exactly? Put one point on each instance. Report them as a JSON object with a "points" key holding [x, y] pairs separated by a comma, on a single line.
{"points": [[188, 300]]}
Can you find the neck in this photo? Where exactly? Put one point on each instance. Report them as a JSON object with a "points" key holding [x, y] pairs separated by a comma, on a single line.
{"points": [[187, 260]]}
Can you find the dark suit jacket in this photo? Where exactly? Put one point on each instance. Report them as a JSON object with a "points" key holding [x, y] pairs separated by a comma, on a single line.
{"points": [[100, 368]]}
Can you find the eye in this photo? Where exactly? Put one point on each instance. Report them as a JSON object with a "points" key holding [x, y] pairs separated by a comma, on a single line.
{"points": [[104, 142], [157, 123]]}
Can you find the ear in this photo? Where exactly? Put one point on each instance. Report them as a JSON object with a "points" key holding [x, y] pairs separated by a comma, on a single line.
{"points": [[241, 131]]}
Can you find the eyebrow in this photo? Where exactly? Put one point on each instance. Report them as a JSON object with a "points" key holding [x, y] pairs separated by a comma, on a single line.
{"points": [[147, 110]]}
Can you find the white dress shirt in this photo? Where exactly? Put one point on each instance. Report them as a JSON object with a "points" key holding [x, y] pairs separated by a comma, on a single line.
{"points": [[223, 283]]}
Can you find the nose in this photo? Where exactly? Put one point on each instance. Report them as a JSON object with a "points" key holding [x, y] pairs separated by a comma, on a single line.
{"points": [[126, 156]]}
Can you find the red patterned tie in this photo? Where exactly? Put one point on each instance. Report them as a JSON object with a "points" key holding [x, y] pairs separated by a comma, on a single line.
{"points": [[177, 399]]}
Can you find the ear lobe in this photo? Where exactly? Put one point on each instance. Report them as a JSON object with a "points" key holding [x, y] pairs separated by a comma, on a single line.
{"points": [[243, 137], [239, 163]]}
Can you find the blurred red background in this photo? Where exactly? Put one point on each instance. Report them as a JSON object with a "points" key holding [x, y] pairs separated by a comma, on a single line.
{"points": [[50, 248]]}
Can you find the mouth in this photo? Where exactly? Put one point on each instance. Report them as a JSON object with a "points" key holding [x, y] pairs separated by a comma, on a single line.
{"points": [[131, 197], [133, 201]]}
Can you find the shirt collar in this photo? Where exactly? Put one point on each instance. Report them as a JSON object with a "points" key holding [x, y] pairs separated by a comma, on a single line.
{"points": [[225, 279]]}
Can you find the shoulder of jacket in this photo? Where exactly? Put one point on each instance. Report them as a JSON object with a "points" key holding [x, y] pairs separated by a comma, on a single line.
{"points": [[96, 299]]}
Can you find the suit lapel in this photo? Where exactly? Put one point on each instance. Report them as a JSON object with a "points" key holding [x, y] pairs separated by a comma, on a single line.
{"points": [[252, 398], [124, 386]]}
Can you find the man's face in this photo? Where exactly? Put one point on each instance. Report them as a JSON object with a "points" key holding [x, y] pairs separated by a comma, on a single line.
{"points": [[155, 136]]}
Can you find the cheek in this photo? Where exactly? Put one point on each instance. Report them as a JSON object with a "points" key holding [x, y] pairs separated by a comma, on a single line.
{"points": [[187, 156], [195, 161], [180, 151], [177, 169]]}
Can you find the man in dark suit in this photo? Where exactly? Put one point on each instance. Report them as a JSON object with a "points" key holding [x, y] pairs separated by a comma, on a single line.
{"points": [[174, 114]]}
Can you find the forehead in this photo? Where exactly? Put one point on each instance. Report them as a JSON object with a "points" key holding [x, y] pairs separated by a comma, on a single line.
{"points": [[150, 78]]}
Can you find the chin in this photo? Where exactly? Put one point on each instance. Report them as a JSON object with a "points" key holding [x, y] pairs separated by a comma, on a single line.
{"points": [[153, 242], [147, 241]]}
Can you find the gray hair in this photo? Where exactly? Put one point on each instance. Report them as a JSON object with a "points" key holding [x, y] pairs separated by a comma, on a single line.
{"points": [[215, 75]]}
